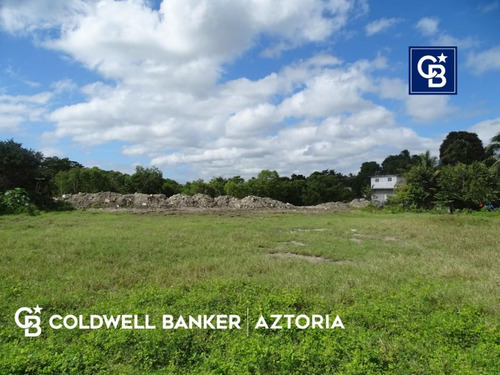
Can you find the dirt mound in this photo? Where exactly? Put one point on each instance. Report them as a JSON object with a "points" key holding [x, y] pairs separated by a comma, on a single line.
{"points": [[115, 200], [359, 203], [199, 201], [226, 201], [177, 201], [254, 202]]}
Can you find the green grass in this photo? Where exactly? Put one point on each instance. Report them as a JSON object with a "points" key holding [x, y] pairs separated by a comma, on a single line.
{"points": [[417, 293]]}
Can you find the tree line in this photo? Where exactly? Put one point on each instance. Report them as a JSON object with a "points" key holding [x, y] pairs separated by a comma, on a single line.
{"points": [[465, 175]]}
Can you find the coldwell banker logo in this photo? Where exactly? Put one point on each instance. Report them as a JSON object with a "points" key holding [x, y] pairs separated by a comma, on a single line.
{"points": [[30, 323], [28, 319], [433, 70]]}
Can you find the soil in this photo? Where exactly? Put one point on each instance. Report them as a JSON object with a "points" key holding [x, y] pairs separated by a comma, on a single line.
{"points": [[197, 203]]}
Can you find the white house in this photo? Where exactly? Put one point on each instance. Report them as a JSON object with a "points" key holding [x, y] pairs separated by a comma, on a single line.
{"points": [[383, 186]]}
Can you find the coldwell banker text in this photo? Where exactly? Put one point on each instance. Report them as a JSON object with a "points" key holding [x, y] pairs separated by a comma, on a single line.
{"points": [[32, 323]]}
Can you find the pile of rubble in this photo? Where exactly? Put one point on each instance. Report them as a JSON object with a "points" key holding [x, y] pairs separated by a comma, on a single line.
{"points": [[198, 201]]}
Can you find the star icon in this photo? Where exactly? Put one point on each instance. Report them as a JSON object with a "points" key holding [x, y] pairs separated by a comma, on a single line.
{"points": [[37, 309], [442, 57]]}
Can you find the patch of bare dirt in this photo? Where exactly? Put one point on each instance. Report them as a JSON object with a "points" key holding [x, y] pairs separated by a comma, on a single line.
{"points": [[298, 230], [291, 243], [374, 237], [309, 258]]}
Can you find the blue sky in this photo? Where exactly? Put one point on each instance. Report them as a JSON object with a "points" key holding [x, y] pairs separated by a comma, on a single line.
{"points": [[216, 88]]}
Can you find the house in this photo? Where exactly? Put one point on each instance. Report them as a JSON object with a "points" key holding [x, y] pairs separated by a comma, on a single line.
{"points": [[383, 186]]}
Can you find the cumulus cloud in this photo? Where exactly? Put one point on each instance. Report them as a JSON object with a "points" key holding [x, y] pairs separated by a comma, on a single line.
{"points": [[428, 108], [392, 88], [446, 39], [26, 16], [15, 109], [165, 99], [486, 129], [380, 25], [63, 86], [482, 62], [428, 26]]}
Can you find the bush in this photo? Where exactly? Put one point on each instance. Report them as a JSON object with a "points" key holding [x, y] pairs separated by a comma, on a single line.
{"points": [[16, 201]]}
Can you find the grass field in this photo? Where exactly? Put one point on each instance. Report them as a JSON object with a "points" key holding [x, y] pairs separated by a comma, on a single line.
{"points": [[417, 293]]}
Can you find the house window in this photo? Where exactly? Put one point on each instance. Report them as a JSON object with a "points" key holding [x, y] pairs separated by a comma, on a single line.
{"points": [[376, 180], [389, 178]]}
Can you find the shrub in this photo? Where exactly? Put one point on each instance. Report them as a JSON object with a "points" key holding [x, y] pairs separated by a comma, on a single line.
{"points": [[16, 201]]}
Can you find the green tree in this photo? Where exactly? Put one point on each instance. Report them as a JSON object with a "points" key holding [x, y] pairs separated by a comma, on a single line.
{"points": [[236, 187], [362, 179], [398, 164], [326, 186], [420, 188], [19, 167], [69, 182], [147, 180], [494, 147], [171, 187], [119, 182], [198, 187], [466, 185], [49, 168], [217, 185], [461, 147], [493, 155], [292, 190], [427, 160], [266, 184]]}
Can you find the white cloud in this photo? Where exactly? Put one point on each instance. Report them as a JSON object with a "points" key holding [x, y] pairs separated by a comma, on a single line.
{"points": [[428, 108], [428, 26], [392, 88], [164, 97], [25, 16], [15, 109], [446, 39], [380, 25], [63, 86], [484, 61], [52, 151], [486, 130]]}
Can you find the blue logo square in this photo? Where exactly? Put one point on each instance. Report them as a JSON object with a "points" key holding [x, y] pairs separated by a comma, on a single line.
{"points": [[433, 70]]}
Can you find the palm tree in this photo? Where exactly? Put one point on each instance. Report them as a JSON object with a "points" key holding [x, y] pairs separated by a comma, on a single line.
{"points": [[493, 157], [426, 160], [494, 146]]}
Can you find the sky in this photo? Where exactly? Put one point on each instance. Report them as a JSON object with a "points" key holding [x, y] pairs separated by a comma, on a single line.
{"points": [[207, 88]]}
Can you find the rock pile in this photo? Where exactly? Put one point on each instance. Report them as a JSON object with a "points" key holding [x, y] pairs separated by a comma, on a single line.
{"points": [[359, 203], [198, 201]]}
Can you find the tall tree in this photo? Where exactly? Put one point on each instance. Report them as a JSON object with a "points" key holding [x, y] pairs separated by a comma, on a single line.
{"points": [[494, 146], [147, 180], [50, 167], [493, 155], [236, 187], [398, 164], [427, 160], [466, 186], [461, 147], [19, 167], [171, 187], [362, 179]]}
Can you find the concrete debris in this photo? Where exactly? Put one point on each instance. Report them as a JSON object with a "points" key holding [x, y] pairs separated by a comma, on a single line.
{"points": [[158, 202]]}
